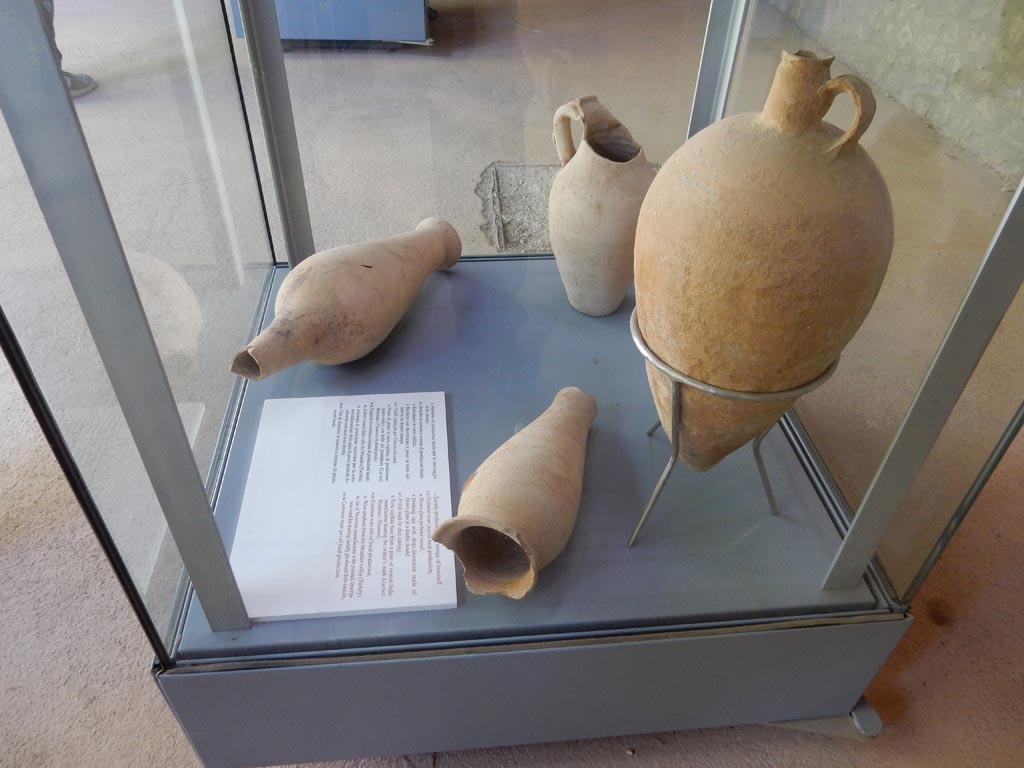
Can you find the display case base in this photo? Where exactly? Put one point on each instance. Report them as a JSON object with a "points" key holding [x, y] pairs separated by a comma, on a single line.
{"points": [[861, 724], [443, 701]]}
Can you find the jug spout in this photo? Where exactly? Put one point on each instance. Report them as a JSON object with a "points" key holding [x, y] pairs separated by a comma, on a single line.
{"points": [[276, 348]]}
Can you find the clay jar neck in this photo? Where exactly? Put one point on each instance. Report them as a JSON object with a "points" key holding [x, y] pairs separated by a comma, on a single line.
{"points": [[605, 136], [793, 103], [612, 148]]}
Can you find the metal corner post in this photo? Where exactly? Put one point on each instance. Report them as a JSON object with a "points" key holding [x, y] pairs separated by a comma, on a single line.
{"points": [[974, 490], [995, 285], [49, 139], [721, 40], [259, 20]]}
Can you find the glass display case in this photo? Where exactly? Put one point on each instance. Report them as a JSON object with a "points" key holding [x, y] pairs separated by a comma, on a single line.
{"points": [[153, 228]]}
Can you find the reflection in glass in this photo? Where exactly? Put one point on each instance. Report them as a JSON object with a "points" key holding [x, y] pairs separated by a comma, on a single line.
{"points": [[462, 129], [166, 133]]}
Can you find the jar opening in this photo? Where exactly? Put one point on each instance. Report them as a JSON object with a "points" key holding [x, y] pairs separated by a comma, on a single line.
{"points": [[614, 148], [808, 57]]}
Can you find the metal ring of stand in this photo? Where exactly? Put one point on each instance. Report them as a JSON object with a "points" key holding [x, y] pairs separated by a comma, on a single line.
{"points": [[679, 380]]}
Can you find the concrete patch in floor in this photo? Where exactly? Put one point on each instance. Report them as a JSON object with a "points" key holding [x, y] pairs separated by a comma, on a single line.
{"points": [[515, 206]]}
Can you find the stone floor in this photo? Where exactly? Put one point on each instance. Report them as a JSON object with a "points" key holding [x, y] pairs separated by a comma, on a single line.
{"points": [[388, 138]]}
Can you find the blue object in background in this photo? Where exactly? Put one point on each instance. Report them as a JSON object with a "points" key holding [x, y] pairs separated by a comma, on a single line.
{"points": [[337, 20]]}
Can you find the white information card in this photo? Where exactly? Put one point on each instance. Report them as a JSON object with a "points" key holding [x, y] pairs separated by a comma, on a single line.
{"points": [[342, 498]]}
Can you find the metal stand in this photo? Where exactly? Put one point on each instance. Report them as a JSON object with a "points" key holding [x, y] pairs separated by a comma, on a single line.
{"points": [[679, 380], [757, 458]]}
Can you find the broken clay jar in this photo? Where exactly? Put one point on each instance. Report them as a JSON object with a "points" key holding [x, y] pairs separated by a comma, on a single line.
{"points": [[594, 204], [519, 507], [760, 249], [338, 305]]}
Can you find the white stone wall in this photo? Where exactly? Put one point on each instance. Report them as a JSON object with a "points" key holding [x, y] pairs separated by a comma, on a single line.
{"points": [[957, 63]]}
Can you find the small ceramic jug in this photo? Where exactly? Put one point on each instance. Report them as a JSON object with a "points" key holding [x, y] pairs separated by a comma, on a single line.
{"points": [[594, 204]]}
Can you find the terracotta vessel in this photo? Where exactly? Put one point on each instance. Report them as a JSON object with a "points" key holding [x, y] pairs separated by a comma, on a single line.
{"points": [[594, 204], [338, 305], [519, 507], [760, 249]]}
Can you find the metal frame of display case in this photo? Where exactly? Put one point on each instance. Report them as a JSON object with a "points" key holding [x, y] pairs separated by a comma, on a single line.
{"points": [[306, 707], [49, 139], [275, 108]]}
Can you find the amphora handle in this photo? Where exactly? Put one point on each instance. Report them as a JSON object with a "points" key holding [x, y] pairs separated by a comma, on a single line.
{"points": [[601, 131], [563, 130], [863, 103]]}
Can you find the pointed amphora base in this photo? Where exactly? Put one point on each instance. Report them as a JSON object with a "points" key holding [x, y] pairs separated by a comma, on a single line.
{"points": [[519, 508], [710, 427]]}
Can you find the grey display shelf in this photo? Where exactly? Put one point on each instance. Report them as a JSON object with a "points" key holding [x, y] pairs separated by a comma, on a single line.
{"points": [[499, 338]]}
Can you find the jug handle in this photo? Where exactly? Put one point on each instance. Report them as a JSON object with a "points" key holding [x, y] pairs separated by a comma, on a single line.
{"points": [[863, 103], [563, 130]]}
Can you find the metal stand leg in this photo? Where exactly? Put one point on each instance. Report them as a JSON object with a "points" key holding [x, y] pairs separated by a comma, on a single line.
{"points": [[679, 380], [765, 480], [677, 397], [676, 407]]}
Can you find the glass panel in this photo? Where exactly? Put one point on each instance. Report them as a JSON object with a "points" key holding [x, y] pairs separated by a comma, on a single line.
{"points": [[461, 128], [946, 85], [166, 133], [981, 415]]}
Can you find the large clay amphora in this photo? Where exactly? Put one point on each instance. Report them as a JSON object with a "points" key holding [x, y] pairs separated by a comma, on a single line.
{"points": [[594, 204], [519, 507], [338, 305], [760, 249]]}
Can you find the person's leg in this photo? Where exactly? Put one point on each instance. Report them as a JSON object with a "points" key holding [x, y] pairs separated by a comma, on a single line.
{"points": [[77, 84], [46, 11]]}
